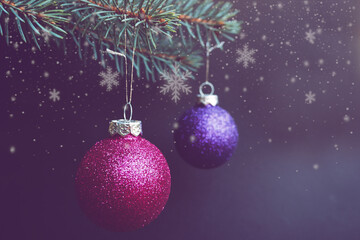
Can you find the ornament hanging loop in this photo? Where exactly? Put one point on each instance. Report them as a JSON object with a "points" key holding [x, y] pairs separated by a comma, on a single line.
{"points": [[201, 91], [128, 104]]}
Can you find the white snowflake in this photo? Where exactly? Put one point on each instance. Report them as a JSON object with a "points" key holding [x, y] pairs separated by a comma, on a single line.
{"points": [[310, 97], [46, 34], [54, 95], [109, 78], [175, 82], [12, 149], [155, 29], [16, 46], [158, 31], [245, 56], [310, 36]]}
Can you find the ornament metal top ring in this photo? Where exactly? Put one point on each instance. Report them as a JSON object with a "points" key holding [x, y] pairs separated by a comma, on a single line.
{"points": [[131, 111], [206, 84]]}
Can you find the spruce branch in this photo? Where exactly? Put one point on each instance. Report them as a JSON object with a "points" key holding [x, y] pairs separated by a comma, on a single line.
{"points": [[101, 24], [105, 21], [35, 16], [107, 16], [151, 61], [206, 19], [197, 17]]}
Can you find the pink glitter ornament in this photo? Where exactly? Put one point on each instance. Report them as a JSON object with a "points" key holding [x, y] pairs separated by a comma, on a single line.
{"points": [[123, 182]]}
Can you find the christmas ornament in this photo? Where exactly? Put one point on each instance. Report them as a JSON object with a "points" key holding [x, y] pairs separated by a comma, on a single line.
{"points": [[206, 135], [123, 182]]}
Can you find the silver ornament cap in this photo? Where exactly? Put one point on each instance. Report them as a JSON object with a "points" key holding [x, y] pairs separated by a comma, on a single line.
{"points": [[212, 100], [124, 127], [207, 99]]}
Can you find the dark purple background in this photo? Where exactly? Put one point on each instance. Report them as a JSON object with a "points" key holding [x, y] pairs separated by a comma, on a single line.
{"points": [[295, 174]]}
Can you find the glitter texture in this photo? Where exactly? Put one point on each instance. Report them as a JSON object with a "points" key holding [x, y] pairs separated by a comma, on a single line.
{"points": [[123, 183], [206, 137]]}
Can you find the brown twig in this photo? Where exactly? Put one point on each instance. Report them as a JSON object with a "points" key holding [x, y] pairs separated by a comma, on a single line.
{"points": [[148, 18]]}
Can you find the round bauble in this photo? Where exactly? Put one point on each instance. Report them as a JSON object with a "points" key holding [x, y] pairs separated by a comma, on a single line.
{"points": [[123, 183], [206, 135]]}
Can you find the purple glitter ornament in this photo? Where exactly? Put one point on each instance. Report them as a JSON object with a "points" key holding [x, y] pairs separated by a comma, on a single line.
{"points": [[206, 135], [123, 182]]}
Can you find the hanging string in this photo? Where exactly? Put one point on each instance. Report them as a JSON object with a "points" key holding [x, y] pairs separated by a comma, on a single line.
{"points": [[132, 66], [109, 51], [207, 60], [208, 50], [128, 93], [125, 49]]}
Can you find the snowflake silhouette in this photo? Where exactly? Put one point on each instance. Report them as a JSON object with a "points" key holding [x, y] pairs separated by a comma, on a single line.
{"points": [[175, 82], [54, 95], [310, 36], [109, 78], [155, 29], [46, 34], [245, 56], [310, 97]]}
